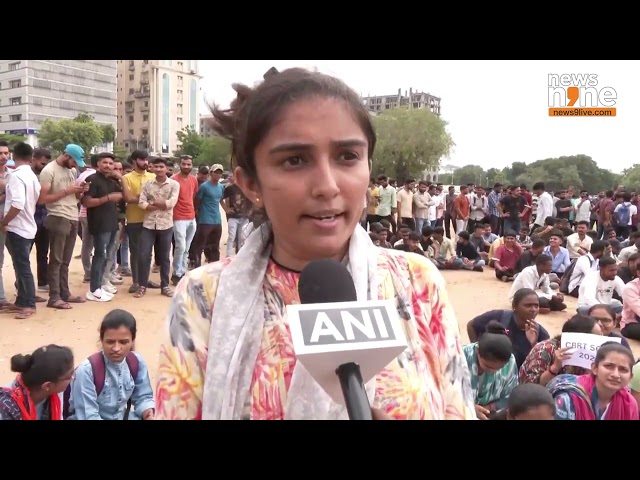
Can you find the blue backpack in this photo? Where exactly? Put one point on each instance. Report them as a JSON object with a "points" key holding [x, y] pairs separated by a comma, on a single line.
{"points": [[623, 215]]}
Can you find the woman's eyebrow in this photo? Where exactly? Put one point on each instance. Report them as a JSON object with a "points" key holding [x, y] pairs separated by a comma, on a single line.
{"points": [[285, 147]]}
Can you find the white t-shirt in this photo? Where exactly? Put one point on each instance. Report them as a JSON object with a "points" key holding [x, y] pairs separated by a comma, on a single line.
{"points": [[632, 210], [594, 290]]}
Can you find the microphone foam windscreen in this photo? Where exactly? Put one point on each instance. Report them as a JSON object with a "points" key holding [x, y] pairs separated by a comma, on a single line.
{"points": [[326, 281]]}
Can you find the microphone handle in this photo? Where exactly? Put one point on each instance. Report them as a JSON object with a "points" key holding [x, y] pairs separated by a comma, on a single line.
{"points": [[355, 395]]}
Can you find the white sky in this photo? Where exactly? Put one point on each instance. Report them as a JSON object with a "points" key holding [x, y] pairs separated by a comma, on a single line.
{"points": [[497, 110]]}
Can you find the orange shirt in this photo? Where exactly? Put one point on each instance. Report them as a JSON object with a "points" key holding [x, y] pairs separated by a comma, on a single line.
{"points": [[184, 209], [461, 202]]}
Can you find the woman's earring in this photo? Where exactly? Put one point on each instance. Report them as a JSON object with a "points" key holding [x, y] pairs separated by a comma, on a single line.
{"points": [[258, 199]]}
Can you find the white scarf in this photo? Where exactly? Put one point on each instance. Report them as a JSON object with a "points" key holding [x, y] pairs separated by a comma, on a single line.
{"points": [[238, 317]]}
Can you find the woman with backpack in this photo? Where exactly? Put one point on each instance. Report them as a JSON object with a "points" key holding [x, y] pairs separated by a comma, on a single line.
{"points": [[36, 392], [112, 382]]}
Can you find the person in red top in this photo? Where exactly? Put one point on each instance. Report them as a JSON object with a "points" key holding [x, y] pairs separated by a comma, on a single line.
{"points": [[506, 257], [526, 209], [184, 218]]}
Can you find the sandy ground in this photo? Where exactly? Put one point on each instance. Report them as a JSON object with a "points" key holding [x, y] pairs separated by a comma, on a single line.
{"points": [[471, 293]]}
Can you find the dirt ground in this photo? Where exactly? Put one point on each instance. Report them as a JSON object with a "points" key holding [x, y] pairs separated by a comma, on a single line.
{"points": [[78, 328]]}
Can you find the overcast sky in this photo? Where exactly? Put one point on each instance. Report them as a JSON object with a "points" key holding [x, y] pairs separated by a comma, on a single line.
{"points": [[497, 110]]}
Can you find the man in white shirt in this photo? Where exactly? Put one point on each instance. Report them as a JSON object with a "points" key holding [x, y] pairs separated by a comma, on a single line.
{"points": [[583, 208], [598, 287], [579, 243], [423, 202], [625, 253], [479, 207], [536, 277], [19, 224], [586, 264], [545, 205], [623, 215]]}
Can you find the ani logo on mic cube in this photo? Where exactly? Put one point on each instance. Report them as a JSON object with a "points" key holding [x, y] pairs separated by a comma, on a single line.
{"points": [[327, 335]]}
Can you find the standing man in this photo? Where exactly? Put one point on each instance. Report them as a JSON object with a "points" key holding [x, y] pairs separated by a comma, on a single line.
{"points": [[101, 202], [405, 204], [237, 207], [4, 158], [132, 186], [19, 225], [157, 199], [41, 157], [87, 239], [184, 218], [60, 194], [209, 219]]}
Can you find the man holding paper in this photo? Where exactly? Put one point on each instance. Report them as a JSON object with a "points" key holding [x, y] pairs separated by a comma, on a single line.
{"points": [[598, 287]]}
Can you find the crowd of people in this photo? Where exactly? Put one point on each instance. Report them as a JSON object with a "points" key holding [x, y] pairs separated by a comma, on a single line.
{"points": [[302, 171]]}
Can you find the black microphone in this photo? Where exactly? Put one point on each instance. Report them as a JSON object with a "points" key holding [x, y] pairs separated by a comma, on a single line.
{"points": [[328, 281]]}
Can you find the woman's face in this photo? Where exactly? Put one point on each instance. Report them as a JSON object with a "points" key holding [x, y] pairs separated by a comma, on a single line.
{"points": [[613, 372], [312, 177], [61, 384], [528, 307], [117, 343], [606, 323], [490, 366]]}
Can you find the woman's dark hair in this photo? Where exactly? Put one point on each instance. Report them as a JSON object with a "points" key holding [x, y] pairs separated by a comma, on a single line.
{"points": [[610, 347], [521, 294], [494, 344], [529, 395], [579, 324], [46, 364], [603, 306], [255, 110], [118, 318]]}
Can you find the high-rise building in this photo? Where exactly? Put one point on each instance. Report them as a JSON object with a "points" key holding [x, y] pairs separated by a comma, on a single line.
{"points": [[410, 99], [32, 91], [156, 99]]}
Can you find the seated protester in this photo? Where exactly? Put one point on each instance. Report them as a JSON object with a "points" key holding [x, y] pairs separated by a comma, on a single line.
{"points": [[609, 234], [524, 240], [384, 235], [634, 384], [375, 238], [528, 257], [629, 272], [111, 382], [403, 235], [37, 391], [579, 243], [412, 245], [492, 250], [375, 227], [477, 240], [520, 322], [493, 369], [488, 236], [507, 257], [559, 254], [565, 227], [545, 232], [581, 266], [595, 396], [468, 253], [615, 247], [630, 321], [625, 253], [425, 239], [537, 278], [530, 401], [606, 317], [544, 361], [444, 251], [597, 287]]}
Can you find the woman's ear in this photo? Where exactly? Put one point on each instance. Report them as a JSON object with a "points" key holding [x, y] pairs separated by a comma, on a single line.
{"points": [[248, 185]]}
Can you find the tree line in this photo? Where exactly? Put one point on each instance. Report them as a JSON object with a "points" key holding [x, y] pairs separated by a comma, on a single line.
{"points": [[409, 142]]}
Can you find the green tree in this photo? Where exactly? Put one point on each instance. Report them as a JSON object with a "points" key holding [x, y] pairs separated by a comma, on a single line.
{"points": [[108, 133], [409, 141], [11, 139], [120, 152], [82, 131], [190, 142], [469, 174], [215, 149]]}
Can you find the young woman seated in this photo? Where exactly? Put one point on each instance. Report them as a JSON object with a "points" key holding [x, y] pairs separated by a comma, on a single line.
{"points": [[530, 401]]}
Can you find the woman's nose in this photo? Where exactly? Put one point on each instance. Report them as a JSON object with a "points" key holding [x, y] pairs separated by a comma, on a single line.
{"points": [[324, 180]]}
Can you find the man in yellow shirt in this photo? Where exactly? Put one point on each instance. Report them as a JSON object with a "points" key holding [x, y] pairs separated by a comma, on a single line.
{"points": [[372, 202], [132, 184]]}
